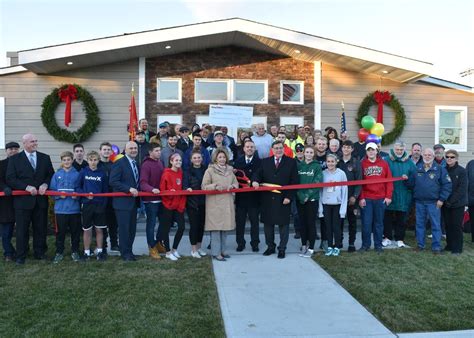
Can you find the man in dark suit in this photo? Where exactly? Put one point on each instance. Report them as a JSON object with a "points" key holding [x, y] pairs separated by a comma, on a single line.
{"points": [[124, 177], [30, 170], [281, 170], [248, 203]]}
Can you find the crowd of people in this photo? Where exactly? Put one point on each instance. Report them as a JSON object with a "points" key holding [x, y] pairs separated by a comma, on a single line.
{"points": [[178, 158]]}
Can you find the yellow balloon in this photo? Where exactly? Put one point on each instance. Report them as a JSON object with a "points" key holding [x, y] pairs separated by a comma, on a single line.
{"points": [[377, 129], [118, 157]]}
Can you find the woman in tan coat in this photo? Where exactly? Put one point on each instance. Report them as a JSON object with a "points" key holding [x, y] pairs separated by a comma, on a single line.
{"points": [[220, 208]]}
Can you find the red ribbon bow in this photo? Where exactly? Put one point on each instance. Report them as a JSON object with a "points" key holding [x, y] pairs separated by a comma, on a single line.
{"points": [[67, 95], [381, 98]]}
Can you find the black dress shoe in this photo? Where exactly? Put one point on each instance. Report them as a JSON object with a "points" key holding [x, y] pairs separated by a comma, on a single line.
{"points": [[255, 249], [20, 261], [297, 235], [281, 254], [240, 247], [269, 251]]}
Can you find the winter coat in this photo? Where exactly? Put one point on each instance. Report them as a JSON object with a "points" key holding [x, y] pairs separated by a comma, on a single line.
{"points": [[7, 212], [470, 176], [402, 190], [220, 208], [66, 181], [308, 173], [150, 177], [353, 172], [248, 199], [173, 180], [373, 171], [458, 197], [192, 178], [431, 185]]}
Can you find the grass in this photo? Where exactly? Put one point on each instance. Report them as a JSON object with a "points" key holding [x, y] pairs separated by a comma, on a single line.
{"points": [[409, 291], [112, 298]]}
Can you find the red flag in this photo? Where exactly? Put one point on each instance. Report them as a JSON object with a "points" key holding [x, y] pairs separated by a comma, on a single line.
{"points": [[133, 121]]}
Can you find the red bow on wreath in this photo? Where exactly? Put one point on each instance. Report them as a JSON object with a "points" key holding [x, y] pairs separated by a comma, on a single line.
{"points": [[67, 95], [381, 98]]}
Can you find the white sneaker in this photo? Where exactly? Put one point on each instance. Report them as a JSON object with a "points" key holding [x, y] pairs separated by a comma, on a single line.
{"points": [[171, 257], [308, 253], [303, 251], [176, 254], [202, 252], [430, 236], [400, 244], [386, 242], [195, 254]]}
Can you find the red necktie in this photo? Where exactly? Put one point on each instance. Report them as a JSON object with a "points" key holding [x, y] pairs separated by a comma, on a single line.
{"points": [[277, 162]]}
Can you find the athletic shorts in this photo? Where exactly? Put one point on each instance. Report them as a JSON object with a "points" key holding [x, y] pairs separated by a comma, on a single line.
{"points": [[93, 215]]}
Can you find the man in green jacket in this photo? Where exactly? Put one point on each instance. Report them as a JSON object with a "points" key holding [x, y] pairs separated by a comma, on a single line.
{"points": [[395, 214]]}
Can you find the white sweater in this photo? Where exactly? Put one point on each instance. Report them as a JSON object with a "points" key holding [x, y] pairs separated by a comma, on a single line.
{"points": [[334, 195]]}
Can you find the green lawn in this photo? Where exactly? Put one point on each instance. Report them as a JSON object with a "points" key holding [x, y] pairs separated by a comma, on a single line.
{"points": [[113, 298], [410, 291]]}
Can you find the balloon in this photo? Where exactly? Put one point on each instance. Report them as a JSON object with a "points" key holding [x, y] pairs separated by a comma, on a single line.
{"points": [[372, 138], [377, 129], [118, 157], [368, 122], [362, 134], [115, 149]]}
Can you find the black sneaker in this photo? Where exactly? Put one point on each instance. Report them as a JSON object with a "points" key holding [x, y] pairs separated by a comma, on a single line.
{"points": [[101, 256], [351, 248]]}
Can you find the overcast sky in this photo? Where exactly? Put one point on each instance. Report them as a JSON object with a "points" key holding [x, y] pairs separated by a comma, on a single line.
{"points": [[436, 31]]}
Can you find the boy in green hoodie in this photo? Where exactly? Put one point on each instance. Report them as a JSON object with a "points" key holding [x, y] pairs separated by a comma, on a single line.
{"points": [[309, 171]]}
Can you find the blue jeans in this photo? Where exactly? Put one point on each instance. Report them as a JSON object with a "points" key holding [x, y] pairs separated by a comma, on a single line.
{"points": [[424, 210], [7, 234], [152, 211], [372, 221]]}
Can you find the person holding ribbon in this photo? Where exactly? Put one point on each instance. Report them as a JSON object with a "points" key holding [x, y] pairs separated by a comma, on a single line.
{"points": [[220, 208]]}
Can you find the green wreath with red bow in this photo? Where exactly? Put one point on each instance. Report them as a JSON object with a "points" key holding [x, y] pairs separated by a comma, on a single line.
{"points": [[68, 93]]}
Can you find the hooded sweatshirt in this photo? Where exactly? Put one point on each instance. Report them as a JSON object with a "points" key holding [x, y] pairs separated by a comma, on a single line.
{"points": [[96, 182], [372, 171], [173, 180], [308, 173], [334, 195], [66, 181], [150, 177]]}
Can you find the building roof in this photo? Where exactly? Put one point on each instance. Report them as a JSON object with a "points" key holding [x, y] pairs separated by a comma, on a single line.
{"points": [[235, 31]]}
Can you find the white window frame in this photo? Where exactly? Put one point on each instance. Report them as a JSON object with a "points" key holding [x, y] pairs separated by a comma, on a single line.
{"points": [[169, 79], [265, 97], [173, 119], [229, 96], [230, 90], [2, 123], [301, 83], [462, 147]]}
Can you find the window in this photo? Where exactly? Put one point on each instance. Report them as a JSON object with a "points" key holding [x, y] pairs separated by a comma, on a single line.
{"points": [[212, 91], [451, 127], [291, 92], [246, 91], [231, 91], [173, 119], [168, 90]]}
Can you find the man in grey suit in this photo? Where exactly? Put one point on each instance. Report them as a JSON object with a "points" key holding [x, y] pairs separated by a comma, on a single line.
{"points": [[124, 177]]}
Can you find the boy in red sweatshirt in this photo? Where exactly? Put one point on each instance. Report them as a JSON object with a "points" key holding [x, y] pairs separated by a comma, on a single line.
{"points": [[374, 198]]}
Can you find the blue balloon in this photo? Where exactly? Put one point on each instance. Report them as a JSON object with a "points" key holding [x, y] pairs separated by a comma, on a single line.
{"points": [[373, 138]]}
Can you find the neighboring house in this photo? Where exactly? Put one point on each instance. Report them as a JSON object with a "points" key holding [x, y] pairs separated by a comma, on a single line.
{"points": [[288, 77]]}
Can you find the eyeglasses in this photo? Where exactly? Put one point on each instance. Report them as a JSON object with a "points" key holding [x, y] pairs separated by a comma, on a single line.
{"points": [[299, 150], [450, 157]]}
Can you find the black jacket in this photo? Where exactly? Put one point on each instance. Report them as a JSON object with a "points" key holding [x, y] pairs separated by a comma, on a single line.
{"points": [[192, 178], [7, 213], [458, 197], [273, 209], [248, 199], [353, 172], [20, 174], [470, 177], [183, 146]]}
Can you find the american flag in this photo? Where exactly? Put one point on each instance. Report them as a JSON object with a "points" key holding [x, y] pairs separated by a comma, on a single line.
{"points": [[343, 121]]}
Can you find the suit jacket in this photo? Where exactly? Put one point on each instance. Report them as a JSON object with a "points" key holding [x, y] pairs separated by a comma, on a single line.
{"points": [[273, 209], [7, 213], [20, 174], [248, 199], [121, 179]]}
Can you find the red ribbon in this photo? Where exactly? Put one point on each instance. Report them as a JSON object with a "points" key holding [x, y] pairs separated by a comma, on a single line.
{"points": [[215, 192], [67, 95], [381, 98]]}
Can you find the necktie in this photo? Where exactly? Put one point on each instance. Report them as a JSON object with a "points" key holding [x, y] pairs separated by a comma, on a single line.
{"points": [[277, 162], [32, 161], [135, 171], [248, 160]]}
